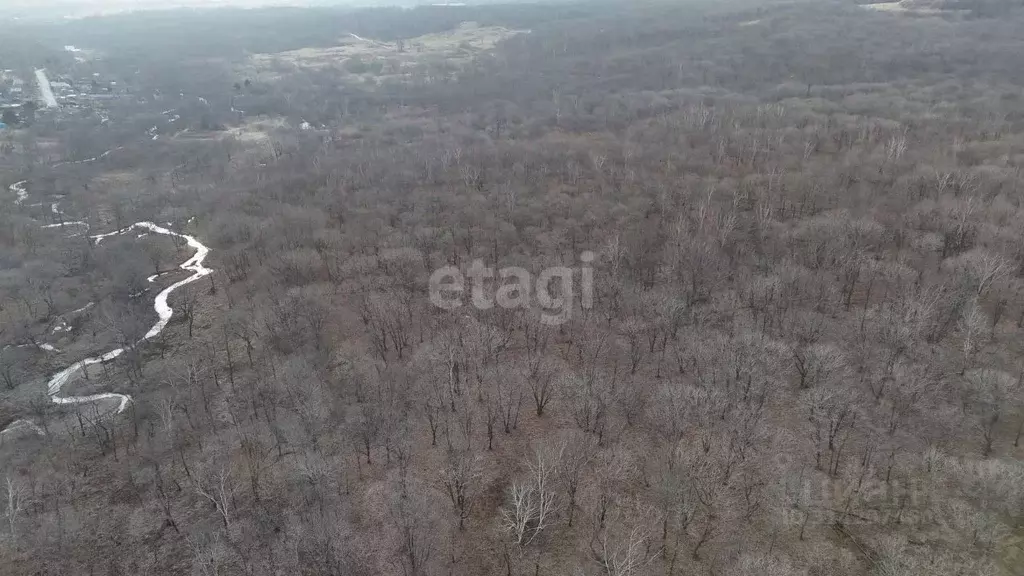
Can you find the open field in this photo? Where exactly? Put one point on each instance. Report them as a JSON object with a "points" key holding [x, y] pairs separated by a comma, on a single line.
{"points": [[45, 92], [362, 58]]}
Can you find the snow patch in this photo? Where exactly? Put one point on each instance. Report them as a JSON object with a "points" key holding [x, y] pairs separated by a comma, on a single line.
{"points": [[83, 308], [19, 189], [19, 424]]}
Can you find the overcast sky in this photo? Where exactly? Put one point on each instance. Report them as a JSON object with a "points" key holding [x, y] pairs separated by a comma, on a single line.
{"points": [[75, 8]]}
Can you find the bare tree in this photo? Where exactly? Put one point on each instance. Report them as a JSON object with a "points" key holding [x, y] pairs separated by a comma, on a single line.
{"points": [[993, 392], [510, 400], [16, 500], [590, 403], [209, 555], [972, 324], [832, 414], [533, 501], [543, 383], [414, 520], [818, 364], [216, 487], [8, 365], [627, 550], [459, 476], [577, 454], [982, 269]]}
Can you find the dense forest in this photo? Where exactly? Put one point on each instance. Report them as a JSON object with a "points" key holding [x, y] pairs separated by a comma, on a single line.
{"points": [[797, 350]]}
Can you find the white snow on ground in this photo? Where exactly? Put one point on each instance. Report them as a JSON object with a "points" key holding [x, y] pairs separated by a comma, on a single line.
{"points": [[62, 321], [63, 224], [193, 264], [75, 223], [88, 160], [19, 424], [44, 89], [97, 238], [135, 295], [83, 308], [19, 189], [55, 208]]}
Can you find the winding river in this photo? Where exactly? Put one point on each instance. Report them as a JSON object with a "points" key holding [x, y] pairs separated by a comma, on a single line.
{"points": [[195, 265]]}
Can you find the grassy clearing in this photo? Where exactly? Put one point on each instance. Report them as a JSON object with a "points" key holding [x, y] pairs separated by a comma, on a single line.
{"points": [[363, 57]]}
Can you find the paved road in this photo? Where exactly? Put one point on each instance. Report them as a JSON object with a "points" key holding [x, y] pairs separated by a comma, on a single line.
{"points": [[44, 88]]}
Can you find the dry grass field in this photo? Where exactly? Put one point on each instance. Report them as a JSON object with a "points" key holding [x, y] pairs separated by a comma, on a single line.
{"points": [[363, 59]]}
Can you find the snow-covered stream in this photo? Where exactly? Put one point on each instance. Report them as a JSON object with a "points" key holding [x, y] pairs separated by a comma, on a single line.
{"points": [[65, 224], [88, 160], [163, 311]]}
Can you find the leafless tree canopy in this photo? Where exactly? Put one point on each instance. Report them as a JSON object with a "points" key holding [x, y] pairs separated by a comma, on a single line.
{"points": [[797, 349]]}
